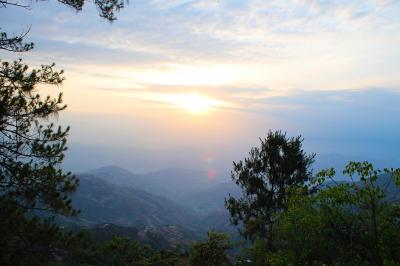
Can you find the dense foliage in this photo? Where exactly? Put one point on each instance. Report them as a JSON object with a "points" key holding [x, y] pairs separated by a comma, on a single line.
{"points": [[349, 223], [211, 252], [117, 251]]}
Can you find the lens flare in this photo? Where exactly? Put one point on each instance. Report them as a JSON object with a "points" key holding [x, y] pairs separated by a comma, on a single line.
{"points": [[211, 174]]}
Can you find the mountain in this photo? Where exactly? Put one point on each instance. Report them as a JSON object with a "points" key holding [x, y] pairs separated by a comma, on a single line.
{"points": [[119, 176], [103, 202], [178, 197], [176, 184]]}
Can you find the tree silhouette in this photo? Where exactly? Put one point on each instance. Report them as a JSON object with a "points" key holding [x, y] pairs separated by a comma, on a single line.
{"points": [[266, 178], [31, 151], [33, 188]]}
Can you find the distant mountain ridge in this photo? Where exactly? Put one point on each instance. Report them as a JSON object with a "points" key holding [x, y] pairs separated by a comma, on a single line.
{"points": [[174, 183], [119, 176], [180, 197], [104, 202]]}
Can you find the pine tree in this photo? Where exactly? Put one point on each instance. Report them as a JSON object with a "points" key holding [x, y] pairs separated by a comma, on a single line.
{"points": [[266, 178], [33, 188], [31, 151]]}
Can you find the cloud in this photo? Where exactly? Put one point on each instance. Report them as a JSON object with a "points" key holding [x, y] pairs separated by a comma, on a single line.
{"points": [[210, 31], [302, 64]]}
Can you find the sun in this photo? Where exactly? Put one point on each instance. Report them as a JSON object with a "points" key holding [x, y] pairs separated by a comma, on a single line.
{"points": [[195, 103]]}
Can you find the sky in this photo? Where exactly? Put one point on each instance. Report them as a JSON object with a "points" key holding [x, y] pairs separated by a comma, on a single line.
{"points": [[195, 84]]}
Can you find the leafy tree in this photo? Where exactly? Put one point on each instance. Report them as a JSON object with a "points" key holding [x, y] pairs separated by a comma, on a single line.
{"points": [[343, 224], [212, 252], [266, 178]]}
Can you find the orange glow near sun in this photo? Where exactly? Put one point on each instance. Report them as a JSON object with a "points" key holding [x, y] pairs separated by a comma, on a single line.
{"points": [[194, 103]]}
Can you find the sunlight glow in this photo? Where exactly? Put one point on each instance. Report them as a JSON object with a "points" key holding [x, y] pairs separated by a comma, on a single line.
{"points": [[193, 103], [196, 104]]}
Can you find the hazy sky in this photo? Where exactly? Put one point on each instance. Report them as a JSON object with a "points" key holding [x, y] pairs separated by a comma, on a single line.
{"points": [[213, 76]]}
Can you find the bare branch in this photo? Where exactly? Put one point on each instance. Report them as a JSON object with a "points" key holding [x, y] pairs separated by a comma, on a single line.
{"points": [[5, 3]]}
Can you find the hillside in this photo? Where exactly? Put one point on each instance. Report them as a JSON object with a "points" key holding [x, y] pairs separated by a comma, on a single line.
{"points": [[112, 195], [103, 202], [185, 186], [119, 176]]}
